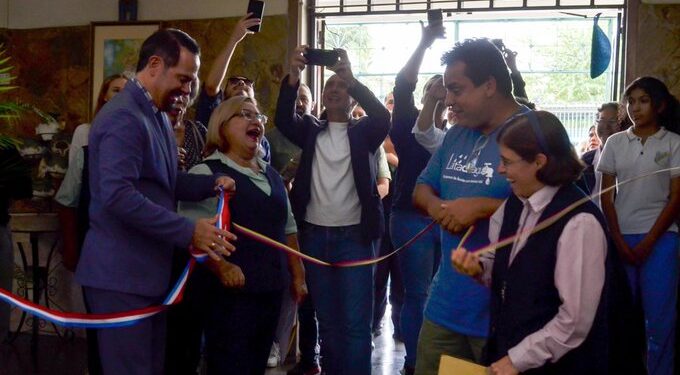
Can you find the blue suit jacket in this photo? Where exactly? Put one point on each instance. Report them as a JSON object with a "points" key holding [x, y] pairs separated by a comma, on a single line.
{"points": [[135, 186]]}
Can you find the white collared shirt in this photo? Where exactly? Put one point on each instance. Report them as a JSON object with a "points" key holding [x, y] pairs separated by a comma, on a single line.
{"points": [[639, 203]]}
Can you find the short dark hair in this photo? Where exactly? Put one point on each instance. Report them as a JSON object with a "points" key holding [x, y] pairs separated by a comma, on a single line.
{"points": [[166, 43], [482, 60], [563, 165], [669, 117], [614, 106]]}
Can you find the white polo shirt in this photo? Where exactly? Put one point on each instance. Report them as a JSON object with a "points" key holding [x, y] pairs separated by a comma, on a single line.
{"points": [[639, 203]]}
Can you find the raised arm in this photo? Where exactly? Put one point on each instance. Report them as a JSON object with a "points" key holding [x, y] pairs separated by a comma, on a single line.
{"points": [[518, 84], [377, 116], [405, 111], [289, 123], [218, 69], [426, 132], [428, 34]]}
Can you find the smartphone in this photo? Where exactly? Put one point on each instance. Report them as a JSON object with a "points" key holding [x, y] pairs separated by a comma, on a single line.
{"points": [[434, 17], [322, 57], [256, 7]]}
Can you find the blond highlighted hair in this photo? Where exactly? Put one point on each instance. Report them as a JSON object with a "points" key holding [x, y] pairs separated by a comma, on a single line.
{"points": [[225, 111]]}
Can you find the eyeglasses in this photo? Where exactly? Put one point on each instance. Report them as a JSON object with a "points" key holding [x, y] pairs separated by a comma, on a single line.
{"points": [[507, 162], [603, 121], [237, 80], [251, 116]]}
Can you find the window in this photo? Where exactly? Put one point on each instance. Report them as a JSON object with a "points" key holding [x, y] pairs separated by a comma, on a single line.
{"points": [[553, 53]]}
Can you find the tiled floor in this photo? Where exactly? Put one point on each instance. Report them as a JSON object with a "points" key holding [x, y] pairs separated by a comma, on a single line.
{"points": [[54, 356], [388, 355], [67, 357]]}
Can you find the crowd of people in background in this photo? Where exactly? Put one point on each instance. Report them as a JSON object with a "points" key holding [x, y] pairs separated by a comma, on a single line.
{"points": [[578, 272]]}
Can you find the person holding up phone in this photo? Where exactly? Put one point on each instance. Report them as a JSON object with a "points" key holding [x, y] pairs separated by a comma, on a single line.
{"points": [[215, 91], [335, 201], [255, 11], [420, 262]]}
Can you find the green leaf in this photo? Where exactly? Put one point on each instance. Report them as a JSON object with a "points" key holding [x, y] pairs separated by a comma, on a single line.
{"points": [[7, 142], [10, 111]]}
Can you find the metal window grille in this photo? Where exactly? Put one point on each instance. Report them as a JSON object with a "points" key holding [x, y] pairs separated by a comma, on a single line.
{"points": [[374, 7]]}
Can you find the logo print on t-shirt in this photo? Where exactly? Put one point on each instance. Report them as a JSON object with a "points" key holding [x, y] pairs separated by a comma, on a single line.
{"points": [[661, 158], [460, 164]]}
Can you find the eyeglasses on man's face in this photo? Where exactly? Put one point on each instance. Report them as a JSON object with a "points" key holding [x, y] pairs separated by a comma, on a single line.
{"points": [[239, 80]]}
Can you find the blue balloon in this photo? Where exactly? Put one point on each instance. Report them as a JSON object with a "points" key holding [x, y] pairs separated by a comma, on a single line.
{"points": [[600, 52]]}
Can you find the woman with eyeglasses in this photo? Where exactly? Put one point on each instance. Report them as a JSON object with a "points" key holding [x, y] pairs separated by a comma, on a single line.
{"points": [[551, 291], [243, 293]]}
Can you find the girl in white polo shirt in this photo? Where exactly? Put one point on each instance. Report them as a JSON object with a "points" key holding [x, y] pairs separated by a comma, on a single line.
{"points": [[641, 216]]}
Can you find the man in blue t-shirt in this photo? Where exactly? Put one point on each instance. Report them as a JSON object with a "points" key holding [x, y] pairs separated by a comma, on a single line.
{"points": [[460, 187]]}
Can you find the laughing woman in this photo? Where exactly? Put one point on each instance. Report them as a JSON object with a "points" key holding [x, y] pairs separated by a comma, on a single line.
{"points": [[550, 299], [243, 294]]}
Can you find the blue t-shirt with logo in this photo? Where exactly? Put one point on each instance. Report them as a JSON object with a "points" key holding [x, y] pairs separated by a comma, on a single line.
{"points": [[464, 166]]}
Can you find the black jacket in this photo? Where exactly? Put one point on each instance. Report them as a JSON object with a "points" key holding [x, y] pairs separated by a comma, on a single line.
{"points": [[365, 136]]}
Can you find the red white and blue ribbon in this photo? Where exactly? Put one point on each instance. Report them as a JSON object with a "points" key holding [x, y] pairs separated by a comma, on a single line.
{"points": [[128, 318], [81, 320], [223, 222]]}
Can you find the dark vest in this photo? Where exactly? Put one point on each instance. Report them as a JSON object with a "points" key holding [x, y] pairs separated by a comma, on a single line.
{"points": [[524, 297], [265, 269]]}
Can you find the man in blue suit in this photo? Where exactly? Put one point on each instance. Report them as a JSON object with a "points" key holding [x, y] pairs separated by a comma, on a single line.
{"points": [[126, 258]]}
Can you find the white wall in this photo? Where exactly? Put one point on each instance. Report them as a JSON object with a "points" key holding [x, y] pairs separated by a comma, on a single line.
{"points": [[29, 14]]}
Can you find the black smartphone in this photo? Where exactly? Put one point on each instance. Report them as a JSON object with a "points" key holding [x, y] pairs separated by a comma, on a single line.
{"points": [[322, 57], [256, 7], [435, 17]]}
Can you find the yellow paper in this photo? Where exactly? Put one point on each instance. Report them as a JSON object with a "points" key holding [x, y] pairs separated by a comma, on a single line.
{"points": [[454, 366]]}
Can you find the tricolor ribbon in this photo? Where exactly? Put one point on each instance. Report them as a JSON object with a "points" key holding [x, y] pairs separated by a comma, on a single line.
{"points": [[81, 320], [223, 222], [128, 318]]}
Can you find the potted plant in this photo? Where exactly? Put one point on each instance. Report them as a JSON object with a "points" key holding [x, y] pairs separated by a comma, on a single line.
{"points": [[10, 111]]}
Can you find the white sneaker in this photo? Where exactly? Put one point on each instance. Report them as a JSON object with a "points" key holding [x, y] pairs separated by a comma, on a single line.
{"points": [[274, 356]]}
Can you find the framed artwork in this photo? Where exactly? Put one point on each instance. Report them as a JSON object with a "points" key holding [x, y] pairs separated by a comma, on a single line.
{"points": [[115, 49]]}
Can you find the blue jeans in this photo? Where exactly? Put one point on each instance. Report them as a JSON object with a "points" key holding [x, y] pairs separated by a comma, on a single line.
{"points": [[656, 283], [419, 263], [343, 297], [309, 333]]}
